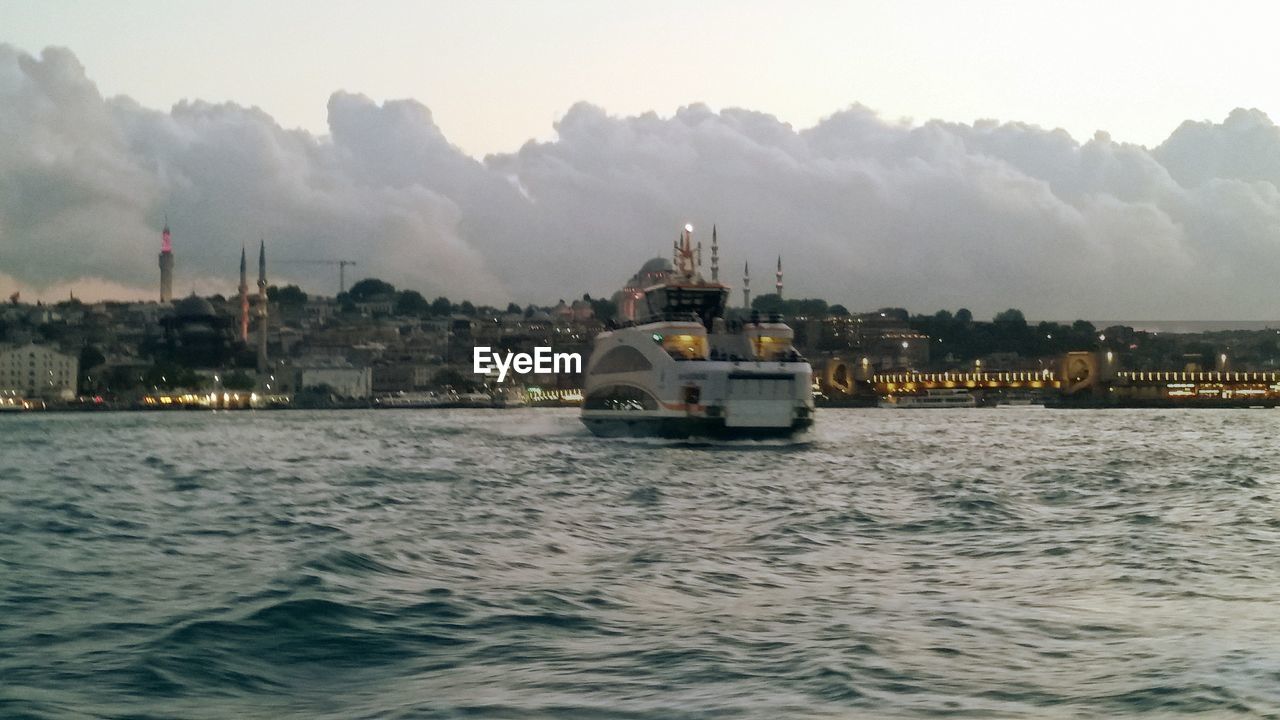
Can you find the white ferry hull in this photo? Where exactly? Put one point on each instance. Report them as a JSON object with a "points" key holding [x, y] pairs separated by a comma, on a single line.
{"points": [[690, 427]]}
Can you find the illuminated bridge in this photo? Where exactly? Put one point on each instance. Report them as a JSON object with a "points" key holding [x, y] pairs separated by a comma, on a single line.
{"points": [[1084, 378], [886, 383]]}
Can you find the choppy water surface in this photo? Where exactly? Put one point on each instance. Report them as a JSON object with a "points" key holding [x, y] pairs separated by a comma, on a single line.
{"points": [[483, 564]]}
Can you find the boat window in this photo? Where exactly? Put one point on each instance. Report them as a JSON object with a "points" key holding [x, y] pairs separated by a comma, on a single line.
{"points": [[619, 397], [623, 358], [685, 347], [771, 348]]}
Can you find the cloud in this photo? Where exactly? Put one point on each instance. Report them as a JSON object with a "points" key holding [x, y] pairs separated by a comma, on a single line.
{"points": [[85, 189], [865, 211]]}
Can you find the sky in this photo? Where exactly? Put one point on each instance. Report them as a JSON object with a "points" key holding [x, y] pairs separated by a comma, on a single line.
{"points": [[497, 73], [923, 154]]}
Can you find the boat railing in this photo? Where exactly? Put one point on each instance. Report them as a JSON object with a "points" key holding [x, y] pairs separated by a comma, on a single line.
{"points": [[656, 317]]}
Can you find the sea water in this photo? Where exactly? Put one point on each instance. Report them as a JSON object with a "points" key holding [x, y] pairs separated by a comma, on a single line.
{"points": [[507, 564]]}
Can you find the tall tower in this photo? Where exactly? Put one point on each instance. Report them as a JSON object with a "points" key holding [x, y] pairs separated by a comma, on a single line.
{"points": [[166, 265], [244, 298], [262, 306], [746, 285], [715, 256], [779, 283], [686, 260]]}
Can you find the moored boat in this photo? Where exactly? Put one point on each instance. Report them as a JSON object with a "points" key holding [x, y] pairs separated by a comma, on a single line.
{"points": [[937, 398]]}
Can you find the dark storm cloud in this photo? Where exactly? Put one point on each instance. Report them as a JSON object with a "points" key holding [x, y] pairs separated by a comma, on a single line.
{"points": [[864, 211]]}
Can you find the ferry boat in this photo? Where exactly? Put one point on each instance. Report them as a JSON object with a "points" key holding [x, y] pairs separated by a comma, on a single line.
{"points": [[681, 370], [409, 400], [937, 398]]}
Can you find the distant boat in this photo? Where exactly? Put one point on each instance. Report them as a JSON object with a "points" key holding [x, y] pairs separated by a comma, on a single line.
{"points": [[410, 400], [1021, 402], [940, 398]]}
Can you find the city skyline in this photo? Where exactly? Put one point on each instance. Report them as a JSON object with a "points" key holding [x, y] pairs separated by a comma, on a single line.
{"points": [[1176, 218]]}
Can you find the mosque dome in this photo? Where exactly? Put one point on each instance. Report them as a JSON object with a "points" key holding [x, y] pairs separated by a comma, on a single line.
{"points": [[656, 265], [192, 307]]}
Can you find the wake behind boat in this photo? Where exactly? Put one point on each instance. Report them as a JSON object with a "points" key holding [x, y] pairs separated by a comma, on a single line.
{"points": [[682, 370]]}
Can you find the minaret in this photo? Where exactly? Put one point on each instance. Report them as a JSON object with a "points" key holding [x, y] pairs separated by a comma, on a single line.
{"points": [[166, 265], [262, 306], [244, 298], [686, 263], [779, 283], [746, 285], [715, 256]]}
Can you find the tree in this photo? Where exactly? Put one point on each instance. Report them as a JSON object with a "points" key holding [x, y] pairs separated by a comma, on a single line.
{"points": [[287, 295], [168, 376], [369, 288], [90, 358], [1084, 327], [838, 310], [441, 307], [943, 316], [238, 380], [963, 315], [513, 308], [1012, 316], [604, 309], [767, 304], [411, 302], [120, 379], [466, 308], [449, 377]]}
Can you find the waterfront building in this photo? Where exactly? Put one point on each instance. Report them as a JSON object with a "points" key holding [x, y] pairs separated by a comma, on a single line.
{"points": [[38, 371], [343, 381], [401, 377]]}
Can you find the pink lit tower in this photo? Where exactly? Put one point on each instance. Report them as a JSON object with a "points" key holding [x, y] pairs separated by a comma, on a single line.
{"points": [[166, 265]]}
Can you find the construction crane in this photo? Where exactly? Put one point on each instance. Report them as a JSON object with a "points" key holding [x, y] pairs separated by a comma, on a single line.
{"points": [[342, 269]]}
